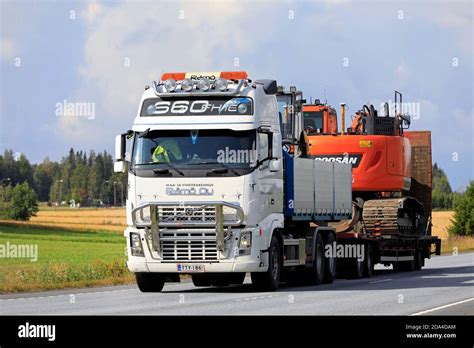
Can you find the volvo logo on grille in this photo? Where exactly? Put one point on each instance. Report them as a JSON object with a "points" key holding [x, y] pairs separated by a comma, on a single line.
{"points": [[189, 211]]}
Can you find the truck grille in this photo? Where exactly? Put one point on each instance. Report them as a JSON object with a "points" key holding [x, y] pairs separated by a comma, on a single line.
{"points": [[194, 215], [196, 245]]}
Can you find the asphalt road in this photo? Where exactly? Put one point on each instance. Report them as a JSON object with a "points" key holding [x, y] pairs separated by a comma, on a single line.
{"points": [[444, 287]]}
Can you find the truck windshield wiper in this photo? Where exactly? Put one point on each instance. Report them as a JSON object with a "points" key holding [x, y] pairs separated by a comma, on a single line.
{"points": [[223, 168], [164, 170], [145, 133]]}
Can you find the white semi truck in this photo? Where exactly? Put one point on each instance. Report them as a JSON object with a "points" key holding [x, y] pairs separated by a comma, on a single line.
{"points": [[219, 186]]}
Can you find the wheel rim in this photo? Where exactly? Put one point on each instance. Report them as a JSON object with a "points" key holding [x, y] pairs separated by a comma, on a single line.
{"points": [[274, 263]]}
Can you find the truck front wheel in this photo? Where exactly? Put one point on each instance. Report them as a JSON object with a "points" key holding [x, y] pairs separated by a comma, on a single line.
{"points": [[150, 282], [269, 280]]}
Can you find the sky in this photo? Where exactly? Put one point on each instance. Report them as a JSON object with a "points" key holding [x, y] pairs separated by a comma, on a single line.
{"points": [[104, 53]]}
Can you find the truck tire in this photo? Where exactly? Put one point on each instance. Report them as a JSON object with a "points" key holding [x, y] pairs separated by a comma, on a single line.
{"points": [[150, 282], [369, 261], [419, 259], [315, 274], [269, 280], [355, 268], [330, 263], [201, 280], [404, 266]]}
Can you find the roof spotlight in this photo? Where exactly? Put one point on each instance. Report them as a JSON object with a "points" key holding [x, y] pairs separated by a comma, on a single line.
{"points": [[204, 85], [170, 85], [187, 85], [221, 84]]}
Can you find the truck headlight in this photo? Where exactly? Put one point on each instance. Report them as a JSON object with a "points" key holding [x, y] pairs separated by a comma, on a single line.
{"points": [[245, 243], [143, 216], [136, 244]]}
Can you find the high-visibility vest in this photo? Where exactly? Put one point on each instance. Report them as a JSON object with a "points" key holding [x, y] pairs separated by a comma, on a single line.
{"points": [[160, 155]]}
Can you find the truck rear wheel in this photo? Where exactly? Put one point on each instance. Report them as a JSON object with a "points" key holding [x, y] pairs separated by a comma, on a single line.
{"points": [[330, 262], [150, 282], [269, 280], [315, 274]]}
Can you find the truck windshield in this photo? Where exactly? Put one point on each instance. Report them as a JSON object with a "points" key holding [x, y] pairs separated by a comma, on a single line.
{"points": [[195, 149]]}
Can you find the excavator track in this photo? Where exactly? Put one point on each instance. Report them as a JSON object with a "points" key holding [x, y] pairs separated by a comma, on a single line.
{"points": [[401, 215]]}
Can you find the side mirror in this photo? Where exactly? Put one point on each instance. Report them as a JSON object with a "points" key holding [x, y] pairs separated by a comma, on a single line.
{"points": [[120, 147], [120, 166], [274, 165]]}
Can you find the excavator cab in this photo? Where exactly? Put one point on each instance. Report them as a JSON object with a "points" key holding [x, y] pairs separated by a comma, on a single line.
{"points": [[319, 119]]}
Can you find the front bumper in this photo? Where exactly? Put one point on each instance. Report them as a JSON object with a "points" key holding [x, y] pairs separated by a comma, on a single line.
{"points": [[229, 260], [220, 267]]}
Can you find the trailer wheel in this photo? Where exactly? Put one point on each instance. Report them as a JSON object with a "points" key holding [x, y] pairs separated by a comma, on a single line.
{"points": [[369, 261], [150, 282], [269, 280], [419, 259], [330, 262], [201, 280], [355, 268], [405, 266]]}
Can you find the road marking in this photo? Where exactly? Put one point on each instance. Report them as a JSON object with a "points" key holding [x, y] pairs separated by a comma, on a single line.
{"points": [[380, 281], [63, 295], [442, 307], [254, 298]]}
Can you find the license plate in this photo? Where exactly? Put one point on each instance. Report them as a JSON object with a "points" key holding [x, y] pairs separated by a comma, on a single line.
{"points": [[190, 268]]}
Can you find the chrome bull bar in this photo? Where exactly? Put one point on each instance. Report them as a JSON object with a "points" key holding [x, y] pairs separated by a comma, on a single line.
{"points": [[154, 216]]}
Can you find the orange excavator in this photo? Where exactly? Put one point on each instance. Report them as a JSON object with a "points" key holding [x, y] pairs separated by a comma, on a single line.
{"points": [[391, 180]]}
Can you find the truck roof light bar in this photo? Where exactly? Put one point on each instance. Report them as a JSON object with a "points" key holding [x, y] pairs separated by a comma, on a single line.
{"points": [[161, 91], [230, 75], [193, 82]]}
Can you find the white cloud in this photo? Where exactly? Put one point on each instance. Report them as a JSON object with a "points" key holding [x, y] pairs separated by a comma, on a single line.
{"points": [[92, 11], [402, 72], [131, 44]]}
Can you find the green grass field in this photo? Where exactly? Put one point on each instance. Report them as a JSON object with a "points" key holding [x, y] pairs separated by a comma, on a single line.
{"points": [[65, 259]]}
